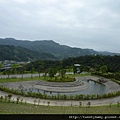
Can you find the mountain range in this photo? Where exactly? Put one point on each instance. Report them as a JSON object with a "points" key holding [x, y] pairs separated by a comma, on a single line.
{"points": [[24, 50]]}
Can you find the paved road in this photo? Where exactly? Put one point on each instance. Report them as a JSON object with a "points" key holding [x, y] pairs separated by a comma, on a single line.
{"points": [[19, 76]]}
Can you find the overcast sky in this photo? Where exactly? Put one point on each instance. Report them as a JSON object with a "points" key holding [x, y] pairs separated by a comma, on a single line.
{"points": [[91, 24]]}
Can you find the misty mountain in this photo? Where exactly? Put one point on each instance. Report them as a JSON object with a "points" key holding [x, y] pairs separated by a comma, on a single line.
{"points": [[52, 48]]}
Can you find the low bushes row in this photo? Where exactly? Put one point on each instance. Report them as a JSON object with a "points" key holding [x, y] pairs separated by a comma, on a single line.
{"points": [[59, 96]]}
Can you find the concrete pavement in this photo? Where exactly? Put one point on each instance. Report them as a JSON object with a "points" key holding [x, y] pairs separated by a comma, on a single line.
{"points": [[98, 102]]}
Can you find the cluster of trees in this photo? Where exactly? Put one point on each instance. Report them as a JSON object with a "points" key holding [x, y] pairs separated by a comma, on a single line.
{"points": [[88, 63], [15, 69], [96, 64], [8, 98], [49, 68]]}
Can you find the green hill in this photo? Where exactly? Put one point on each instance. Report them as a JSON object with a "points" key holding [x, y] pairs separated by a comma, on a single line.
{"points": [[9, 52], [52, 48]]}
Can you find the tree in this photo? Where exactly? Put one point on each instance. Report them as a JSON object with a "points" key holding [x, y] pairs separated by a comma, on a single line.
{"points": [[48, 103], [71, 97], [118, 104], [38, 101], [45, 74], [14, 68], [22, 70], [40, 69], [59, 68], [1, 98], [18, 98], [62, 72], [71, 104], [9, 97], [52, 72], [104, 69], [6, 97], [89, 103], [110, 104], [80, 104], [0, 66], [32, 71], [35, 101], [64, 96], [21, 100], [8, 71]]}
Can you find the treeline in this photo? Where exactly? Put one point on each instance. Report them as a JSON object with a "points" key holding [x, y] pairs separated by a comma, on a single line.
{"points": [[106, 66], [88, 63], [95, 62]]}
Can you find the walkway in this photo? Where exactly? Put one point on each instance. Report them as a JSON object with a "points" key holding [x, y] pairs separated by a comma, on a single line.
{"points": [[67, 102]]}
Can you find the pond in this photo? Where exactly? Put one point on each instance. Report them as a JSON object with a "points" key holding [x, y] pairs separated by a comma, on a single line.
{"points": [[93, 88]]}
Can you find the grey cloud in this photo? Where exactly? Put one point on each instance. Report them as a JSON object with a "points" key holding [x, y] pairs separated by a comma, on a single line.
{"points": [[79, 23]]}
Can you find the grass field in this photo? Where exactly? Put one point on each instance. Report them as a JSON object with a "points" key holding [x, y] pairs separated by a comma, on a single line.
{"points": [[22, 108], [14, 79], [4, 80]]}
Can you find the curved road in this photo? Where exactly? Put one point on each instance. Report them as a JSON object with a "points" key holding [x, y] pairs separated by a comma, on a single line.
{"points": [[65, 102]]}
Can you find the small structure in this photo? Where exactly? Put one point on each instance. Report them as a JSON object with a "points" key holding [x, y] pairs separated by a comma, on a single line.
{"points": [[76, 69], [102, 80]]}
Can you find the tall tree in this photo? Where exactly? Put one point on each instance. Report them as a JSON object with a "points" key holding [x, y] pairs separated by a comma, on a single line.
{"points": [[18, 98], [118, 104], [14, 68], [9, 97], [40, 69], [22, 70], [80, 104], [45, 74], [52, 72], [48, 103], [63, 71], [35, 101], [89, 103], [1, 98], [21, 100], [0, 66], [8, 71], [32, 71], [38, 101]]}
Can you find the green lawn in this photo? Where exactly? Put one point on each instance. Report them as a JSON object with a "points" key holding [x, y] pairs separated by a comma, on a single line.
{"points": [[4, 80], [68, 78], [22, 108]]}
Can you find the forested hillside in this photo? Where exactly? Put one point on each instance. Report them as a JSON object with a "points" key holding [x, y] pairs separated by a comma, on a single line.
{"points": [[95, 62], [51, 47], [9, 52]]}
